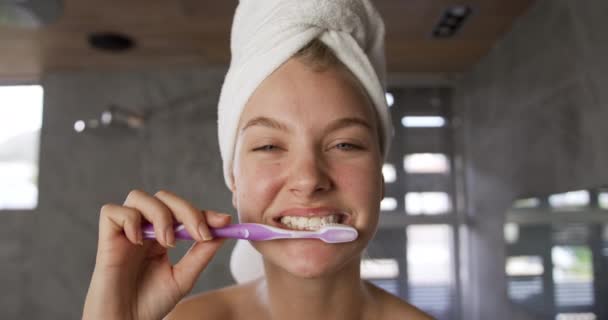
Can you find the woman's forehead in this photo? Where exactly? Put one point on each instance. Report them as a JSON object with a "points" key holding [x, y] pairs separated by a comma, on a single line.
{"points": [[295, 92]]}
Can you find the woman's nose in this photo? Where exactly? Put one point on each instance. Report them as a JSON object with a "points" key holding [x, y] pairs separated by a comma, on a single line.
{"points": [[308, 176]]}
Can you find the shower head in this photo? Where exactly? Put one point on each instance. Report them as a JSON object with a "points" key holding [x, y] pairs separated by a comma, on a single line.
{"points": [[113, 117]]}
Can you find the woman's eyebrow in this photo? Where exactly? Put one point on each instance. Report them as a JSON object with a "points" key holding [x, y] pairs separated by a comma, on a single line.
{"points": [[335, 125], [265, 122], [348, 122]]}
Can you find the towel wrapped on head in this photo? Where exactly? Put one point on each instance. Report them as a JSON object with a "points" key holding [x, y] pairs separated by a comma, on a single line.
{"points": [[267, 33]]}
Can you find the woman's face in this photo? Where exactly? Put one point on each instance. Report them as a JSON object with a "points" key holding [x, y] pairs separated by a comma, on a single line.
{"points": [[308, 147]]}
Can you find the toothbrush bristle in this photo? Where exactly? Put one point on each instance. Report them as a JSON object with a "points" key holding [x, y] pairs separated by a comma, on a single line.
{"points": [[337, 233]]}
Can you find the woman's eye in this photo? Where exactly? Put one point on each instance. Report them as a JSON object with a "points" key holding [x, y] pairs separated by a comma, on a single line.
{"points": [[347, 146], [268, 147]]}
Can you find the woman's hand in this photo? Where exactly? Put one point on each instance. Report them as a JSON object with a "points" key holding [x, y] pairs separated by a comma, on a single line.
{"points": [[134, 279]]}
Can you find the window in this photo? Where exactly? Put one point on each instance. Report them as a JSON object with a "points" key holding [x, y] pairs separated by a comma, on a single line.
{"points": [[521, 289], [388, 204], [429, 261], [511, 232], [524, 266], [426, 163], [423, 121], [571, 199], [20, 123], [602, 199], [427, 203], [524, 275], [555, 265], [575, 316], [389, 173], [379, 269], [526, 203], [573, 276], [412, 253]]}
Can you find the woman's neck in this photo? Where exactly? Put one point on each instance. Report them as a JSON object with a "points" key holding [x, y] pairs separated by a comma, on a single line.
{"points": [[342, 295]]}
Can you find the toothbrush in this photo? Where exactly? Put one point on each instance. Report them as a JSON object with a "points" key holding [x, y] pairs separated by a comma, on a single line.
{"points": [[332, 233]]}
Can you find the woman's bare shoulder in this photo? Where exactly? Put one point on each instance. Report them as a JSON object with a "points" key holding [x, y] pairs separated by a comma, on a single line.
{"points": [[215, 304], [392, 307]]}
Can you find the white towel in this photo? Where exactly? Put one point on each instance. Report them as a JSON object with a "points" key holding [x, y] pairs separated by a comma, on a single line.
{"points": [[246, 263], [266, 33]]}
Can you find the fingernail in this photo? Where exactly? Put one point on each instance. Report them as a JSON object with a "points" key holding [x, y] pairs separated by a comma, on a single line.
{"points": [[203, 230], [170, 237]]}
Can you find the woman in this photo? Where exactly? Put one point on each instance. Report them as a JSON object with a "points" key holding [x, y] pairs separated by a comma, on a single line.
{"points": [[303, 128]]}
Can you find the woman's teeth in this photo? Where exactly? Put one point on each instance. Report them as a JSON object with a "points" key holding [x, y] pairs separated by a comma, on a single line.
{"points": [[308, 223]]}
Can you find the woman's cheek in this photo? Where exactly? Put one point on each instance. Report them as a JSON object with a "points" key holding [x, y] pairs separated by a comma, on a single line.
{"points": [[259, 184], [361, 181], [361, 188]]}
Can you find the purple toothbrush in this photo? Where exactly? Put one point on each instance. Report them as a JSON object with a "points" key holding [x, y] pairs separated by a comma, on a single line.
{"points": [[332, 233]]}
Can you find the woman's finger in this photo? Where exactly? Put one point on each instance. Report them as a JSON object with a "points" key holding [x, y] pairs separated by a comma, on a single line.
{"points": [[190, 266], [115, 219], [156, 212], [217, 219], [187, 270], [192, 219], [119, 230]]}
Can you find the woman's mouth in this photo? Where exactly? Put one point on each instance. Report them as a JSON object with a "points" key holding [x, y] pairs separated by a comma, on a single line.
{"points": [[313, 223]]}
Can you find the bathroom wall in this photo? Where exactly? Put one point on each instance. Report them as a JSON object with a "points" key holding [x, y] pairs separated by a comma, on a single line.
{"points": [[534, 116], [48, 254]]}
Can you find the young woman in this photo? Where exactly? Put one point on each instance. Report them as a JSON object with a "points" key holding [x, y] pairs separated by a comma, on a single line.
{"points": [[308, 142]]}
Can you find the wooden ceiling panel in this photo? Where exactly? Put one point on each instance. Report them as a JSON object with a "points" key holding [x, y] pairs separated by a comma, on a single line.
{"points": [[206, 9], [196, 32], [440, 57]]}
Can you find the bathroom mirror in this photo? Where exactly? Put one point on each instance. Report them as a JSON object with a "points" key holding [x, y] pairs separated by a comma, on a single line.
{"points": [[557, 254]]}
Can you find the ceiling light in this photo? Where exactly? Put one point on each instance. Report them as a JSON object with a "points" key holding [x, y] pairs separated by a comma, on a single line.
{"points": [[111, 41], [459, 10], [451, 21], [423, 121]]}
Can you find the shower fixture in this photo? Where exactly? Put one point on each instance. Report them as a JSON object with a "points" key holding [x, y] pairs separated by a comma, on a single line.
{"points": [[113, 117]]}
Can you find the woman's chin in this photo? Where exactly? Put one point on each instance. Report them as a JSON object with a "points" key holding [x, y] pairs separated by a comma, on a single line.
{"points": [[307, 258]]}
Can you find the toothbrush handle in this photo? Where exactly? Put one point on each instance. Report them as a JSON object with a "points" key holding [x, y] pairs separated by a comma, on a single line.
{"points": [[179, 229], [234, 231], [259, 232], [249, 231]]}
